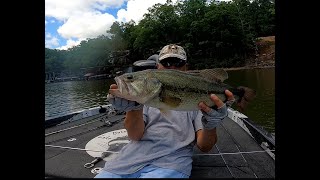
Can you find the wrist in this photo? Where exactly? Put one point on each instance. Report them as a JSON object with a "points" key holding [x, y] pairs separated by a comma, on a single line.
{"points": [[137, 107], [210, 123], [210, 126], [135, 110]]}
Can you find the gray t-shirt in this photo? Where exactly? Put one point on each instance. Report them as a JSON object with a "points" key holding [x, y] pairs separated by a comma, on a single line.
{"points": [[167, 142]]}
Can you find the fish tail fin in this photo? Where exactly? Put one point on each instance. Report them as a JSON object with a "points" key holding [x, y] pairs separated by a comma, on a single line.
{"points": [[245, 97]]}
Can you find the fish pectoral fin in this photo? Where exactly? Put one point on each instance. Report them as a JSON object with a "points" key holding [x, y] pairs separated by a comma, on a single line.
{"points": [[171, 101], [217, 74]]}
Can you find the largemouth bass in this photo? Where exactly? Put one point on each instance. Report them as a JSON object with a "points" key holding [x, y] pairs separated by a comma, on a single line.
{"points": [[169, 89]]}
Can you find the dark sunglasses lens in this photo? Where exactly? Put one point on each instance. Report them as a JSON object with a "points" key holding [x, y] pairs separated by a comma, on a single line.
{"points": [[178, 63]]}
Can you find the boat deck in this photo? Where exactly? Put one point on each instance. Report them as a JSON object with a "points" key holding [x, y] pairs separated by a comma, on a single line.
{"points": [[65, 153]]}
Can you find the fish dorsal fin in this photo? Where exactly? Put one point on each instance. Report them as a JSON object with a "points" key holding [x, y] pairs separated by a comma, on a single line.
{"points": [[217, 74]]}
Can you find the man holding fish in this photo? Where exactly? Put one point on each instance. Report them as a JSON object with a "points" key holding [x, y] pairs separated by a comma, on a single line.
{"points": [[169, 110]]}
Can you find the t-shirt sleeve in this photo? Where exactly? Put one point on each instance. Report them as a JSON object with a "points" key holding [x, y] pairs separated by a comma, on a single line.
{"points": [[197, 124]]}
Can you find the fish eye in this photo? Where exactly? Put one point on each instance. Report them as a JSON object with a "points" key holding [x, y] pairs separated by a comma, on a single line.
{"points": [[129, 76]]}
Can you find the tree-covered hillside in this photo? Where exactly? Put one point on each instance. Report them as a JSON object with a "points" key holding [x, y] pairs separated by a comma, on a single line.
{"points": [[213, 34]]}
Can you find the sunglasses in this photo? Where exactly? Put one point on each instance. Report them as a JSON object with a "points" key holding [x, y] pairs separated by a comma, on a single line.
{"points": [[172, 62]]}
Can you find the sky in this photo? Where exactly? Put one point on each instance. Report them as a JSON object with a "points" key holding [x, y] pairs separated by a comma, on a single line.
{"points": [[68, 22]]}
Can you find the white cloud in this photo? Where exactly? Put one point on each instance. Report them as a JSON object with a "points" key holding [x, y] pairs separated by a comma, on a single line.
{"points": [[64, 9], [83, 19], [48, 35], [136, 9], [51, 41], [70, 43], [87, 25]]}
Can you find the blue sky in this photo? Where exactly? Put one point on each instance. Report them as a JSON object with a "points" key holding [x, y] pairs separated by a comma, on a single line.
{"points": [[68, 22]]}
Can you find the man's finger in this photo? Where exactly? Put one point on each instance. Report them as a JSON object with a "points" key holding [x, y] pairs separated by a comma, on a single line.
{"points": [[229, 95], [204, 107], [113, 89], [216, 101], [113, 86]]}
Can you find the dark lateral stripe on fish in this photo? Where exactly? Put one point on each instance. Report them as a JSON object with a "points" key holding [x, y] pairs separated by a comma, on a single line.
{"points": [[192, 90], [235, 91]]}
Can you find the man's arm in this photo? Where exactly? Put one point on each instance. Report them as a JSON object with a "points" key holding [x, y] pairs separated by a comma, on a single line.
{"points": [[207, 137], [133, 122]]}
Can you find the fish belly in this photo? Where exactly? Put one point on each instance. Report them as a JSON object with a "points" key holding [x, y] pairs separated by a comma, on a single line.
{"points": [[181, 101]]}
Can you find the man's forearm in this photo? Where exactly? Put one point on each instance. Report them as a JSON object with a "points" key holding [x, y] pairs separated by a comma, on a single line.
{"points": [[206, 139], [134, 124]]}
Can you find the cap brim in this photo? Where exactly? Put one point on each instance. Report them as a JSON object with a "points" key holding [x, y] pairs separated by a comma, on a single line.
{"points": [[172, 55]]}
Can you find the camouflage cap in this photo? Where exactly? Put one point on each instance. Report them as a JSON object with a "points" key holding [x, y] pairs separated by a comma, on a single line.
{"points": [[172, 50]]}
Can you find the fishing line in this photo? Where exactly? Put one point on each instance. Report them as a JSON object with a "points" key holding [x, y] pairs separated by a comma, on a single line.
{"points": [[224, 161], [216, 154], [48, 134], [237, 146], [81, 133], [79, 149], [233, 153], [84, 132]]}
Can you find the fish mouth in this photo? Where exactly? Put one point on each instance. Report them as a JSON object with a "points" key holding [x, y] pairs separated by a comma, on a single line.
{"points": [[122, 86]]}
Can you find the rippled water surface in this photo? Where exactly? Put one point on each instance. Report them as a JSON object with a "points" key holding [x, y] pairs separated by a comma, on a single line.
{"points": [[66, 97]]}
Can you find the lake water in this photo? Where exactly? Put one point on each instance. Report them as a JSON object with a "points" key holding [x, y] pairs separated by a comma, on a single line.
{"points": [[66, 97], [262, 109]]}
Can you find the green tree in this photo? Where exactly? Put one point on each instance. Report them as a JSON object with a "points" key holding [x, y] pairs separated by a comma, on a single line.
{"points": [[214, 35]]}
